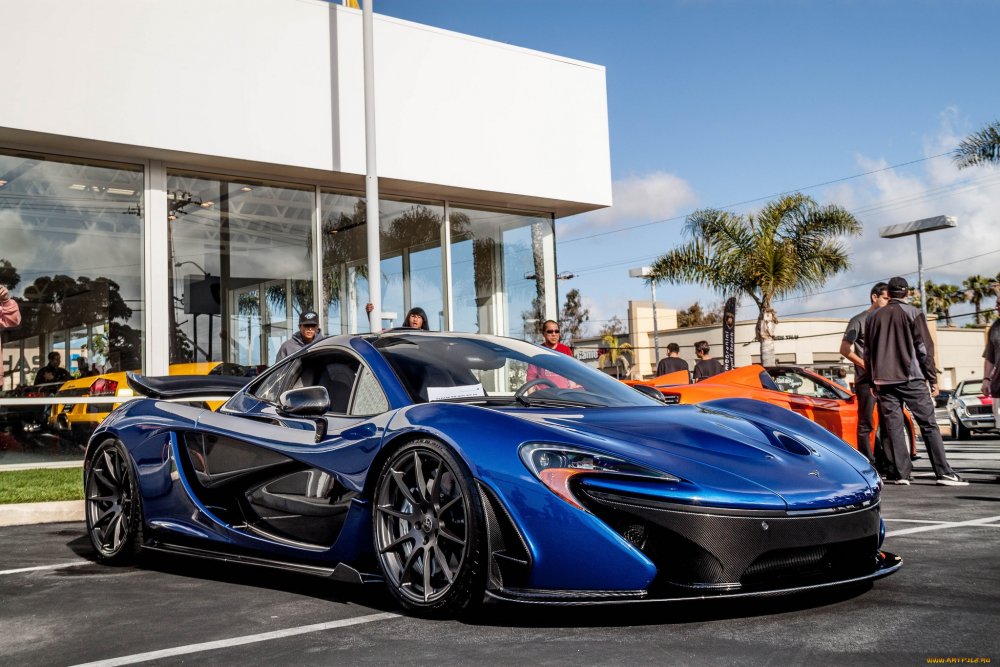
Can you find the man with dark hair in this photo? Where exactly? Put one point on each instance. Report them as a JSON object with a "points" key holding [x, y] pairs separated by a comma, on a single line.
{"points": [[991, 365], [852, 348], [308, 333], [52, 371], [899, 355], [706, 366], [672, 362]]}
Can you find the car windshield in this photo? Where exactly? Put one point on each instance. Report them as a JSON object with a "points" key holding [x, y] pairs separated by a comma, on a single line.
{"points": [[973, 388], [450, 367]]}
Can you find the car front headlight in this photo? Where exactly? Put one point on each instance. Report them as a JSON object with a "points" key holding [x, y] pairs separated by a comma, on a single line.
{"points": [[962, 407], [556, 466]]}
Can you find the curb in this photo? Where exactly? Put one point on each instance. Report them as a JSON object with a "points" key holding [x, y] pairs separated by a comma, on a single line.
{"points": [[23, 514]]}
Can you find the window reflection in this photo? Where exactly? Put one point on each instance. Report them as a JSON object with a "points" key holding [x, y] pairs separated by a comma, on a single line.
{"points": [[71, 257], [241, 267]]}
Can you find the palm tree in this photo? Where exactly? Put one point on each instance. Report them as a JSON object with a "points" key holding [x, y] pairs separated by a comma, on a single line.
{"points": [[619, 354], [977, 288], [940, 299], [789, 246], [983, 147]]}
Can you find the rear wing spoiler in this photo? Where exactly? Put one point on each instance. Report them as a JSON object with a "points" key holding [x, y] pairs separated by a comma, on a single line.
{"points": [[185, 386]]}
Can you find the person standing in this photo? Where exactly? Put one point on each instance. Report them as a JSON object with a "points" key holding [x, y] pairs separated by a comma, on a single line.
{"points": [[706, 366], [991, 366], [852, 348], [672, 362], [550, 340], [10, 316], [416, 318], [308, 333], [899, 355], [52, 371]]}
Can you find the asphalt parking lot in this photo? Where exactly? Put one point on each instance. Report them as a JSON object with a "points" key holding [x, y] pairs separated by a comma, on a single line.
{"points": [[57, 607]]}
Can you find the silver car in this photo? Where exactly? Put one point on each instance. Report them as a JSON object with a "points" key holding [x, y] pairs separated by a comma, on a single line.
{"points": [[967, 411]]}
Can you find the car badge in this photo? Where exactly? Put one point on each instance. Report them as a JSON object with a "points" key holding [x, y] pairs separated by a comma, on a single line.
{"points": [[814, 473]]}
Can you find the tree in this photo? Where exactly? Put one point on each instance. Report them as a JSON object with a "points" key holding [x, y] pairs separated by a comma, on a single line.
{"points": [[573, 317], [789, 246], [612, 327], [982, 147], [940, 299], [694, 316], [9, 277], [977, 288]]}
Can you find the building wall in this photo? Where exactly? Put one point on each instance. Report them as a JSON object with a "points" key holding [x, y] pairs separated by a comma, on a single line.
{"points": [[276, 82]]}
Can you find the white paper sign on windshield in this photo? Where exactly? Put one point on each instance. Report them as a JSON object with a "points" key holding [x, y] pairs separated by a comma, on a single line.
{"points": [[462, 391]]}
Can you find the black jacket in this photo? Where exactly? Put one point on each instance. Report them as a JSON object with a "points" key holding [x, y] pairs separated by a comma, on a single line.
{"points": [[898, 345]]}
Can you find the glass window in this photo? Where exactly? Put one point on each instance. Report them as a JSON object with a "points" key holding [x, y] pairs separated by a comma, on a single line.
{"points": [[498, 271], [241, 267], [410, 240]]}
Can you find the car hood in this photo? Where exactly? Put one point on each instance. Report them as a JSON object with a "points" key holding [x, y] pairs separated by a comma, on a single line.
{"points": [[726, 455]]}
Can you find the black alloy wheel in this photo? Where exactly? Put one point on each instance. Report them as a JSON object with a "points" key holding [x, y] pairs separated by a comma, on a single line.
{"points": [[113, 507], [427, 522]]}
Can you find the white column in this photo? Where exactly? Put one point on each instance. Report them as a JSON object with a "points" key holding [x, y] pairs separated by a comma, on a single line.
{"points": [[155, 260]]}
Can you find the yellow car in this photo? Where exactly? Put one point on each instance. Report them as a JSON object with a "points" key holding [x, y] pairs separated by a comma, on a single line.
{"points": [[77, 422]]}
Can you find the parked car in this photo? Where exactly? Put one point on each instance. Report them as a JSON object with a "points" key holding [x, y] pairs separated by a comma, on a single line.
{"points": [[429, 463], [809, 394], [969, 411], [77, 422]]}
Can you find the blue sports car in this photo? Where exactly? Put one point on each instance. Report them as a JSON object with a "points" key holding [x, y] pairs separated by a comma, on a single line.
{"points": [[458, 468]]}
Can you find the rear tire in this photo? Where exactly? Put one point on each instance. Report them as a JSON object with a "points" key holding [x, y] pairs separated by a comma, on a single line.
{"points": [[113, 508], [428, 529]]}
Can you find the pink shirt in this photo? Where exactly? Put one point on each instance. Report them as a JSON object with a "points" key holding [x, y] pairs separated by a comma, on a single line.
{"points": [[10, 316]]}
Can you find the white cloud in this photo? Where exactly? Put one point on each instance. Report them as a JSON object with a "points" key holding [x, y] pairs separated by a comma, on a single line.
{"points": [[655, 196], [934, 187]]}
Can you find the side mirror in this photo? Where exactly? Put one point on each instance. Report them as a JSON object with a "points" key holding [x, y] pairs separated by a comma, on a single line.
{"points": [[304, 402], [652, 392]]}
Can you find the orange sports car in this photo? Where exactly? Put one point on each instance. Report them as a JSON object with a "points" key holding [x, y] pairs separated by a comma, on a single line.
{"points": [[807, 393]]}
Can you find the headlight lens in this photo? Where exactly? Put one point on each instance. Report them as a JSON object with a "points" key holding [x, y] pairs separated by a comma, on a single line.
{"points": [[556, 465]]}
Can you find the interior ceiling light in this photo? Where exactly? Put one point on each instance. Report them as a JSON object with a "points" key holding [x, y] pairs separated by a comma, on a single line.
{"points": [[77, 186], [120, 191], [207, 204], [246, 188], [2, 182]]}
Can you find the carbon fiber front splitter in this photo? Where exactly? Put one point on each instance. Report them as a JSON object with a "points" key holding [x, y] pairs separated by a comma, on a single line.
{"points": [[886, 564]]}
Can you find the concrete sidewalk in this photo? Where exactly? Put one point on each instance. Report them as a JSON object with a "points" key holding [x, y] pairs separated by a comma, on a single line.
{"points": [[22, 514]]}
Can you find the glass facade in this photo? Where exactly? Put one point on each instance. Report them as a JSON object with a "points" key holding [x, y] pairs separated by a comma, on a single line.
{"points": [[242, 258]]}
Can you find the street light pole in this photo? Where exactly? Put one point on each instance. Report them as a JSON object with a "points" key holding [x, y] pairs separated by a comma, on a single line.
{"points": [[645, 272], [916, 228]]}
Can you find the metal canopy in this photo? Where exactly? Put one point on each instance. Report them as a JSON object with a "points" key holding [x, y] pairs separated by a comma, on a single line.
{"points": [[917, 226]]}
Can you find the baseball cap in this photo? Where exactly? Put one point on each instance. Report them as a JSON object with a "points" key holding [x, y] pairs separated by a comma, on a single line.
{"points": [[309, 317], [898, 284]]}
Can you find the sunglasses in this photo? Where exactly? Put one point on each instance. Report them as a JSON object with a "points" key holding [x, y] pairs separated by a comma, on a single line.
{"points": [[552, 331]]}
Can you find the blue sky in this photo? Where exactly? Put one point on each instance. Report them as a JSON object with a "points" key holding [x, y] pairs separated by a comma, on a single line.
{"points": [[728, 103]]}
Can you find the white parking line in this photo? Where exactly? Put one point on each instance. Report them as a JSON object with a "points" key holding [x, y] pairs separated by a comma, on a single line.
{"points": [[55, 566], [237, 641], [941, 526]]}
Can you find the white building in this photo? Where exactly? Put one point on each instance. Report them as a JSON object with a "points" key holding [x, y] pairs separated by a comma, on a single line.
{"points": [[180, 180]]}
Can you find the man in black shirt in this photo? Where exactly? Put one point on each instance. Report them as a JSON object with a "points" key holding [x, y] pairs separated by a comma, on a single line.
{"points": [[53, 371], [852, 348], [899, 355], [706, 366], [672, 362]]}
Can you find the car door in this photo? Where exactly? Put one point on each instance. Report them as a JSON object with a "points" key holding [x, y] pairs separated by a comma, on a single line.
{"points": [[286, 479], [813, 398]]}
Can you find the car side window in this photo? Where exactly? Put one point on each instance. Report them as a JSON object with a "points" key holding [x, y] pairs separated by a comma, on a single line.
{"points": [[270, 387], [337, 372], [368, 399]]}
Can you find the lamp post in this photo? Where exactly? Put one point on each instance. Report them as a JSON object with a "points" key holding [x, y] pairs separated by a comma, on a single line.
{"points": [[645, 272], [916, 228]]}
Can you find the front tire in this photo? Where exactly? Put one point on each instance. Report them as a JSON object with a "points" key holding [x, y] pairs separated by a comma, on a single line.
{"points": [[113, 506], [428, 525]]}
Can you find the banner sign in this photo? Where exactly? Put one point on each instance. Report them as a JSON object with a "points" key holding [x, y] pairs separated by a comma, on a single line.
{"points": [[729, 334]]}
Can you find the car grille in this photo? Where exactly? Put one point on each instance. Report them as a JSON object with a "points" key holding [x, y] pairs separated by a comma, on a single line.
{"points": [[979, 409]]}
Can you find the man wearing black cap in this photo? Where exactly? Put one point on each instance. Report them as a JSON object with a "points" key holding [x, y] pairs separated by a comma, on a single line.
{"points": [[308, 333], [899, 355]]}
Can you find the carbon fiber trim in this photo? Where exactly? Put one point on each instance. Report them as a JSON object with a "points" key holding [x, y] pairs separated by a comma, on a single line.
{"points": [[886, 564], [729, 552], [510, 560]]}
